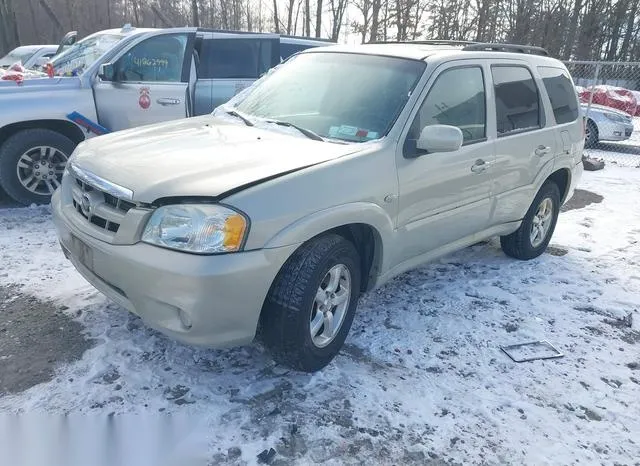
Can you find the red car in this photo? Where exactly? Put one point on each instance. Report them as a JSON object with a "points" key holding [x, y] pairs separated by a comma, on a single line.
{"points": [[636, 94], [611, 96]]}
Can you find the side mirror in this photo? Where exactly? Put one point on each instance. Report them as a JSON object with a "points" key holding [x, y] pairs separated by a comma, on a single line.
{"points": [[69, 39], [107, 72], [440, 138]]}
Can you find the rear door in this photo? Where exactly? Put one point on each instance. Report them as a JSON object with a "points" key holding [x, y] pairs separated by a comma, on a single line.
{"points": [[526, 138], [151, 82], [231, 62]]}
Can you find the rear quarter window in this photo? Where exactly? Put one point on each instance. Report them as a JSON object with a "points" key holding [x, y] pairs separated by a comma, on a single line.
{"points": [[561, 93]]}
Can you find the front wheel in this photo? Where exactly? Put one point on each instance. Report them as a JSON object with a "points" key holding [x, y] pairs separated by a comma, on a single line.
{"points": [[308, 312], [534, 234], [591, 134], [32, 162]]}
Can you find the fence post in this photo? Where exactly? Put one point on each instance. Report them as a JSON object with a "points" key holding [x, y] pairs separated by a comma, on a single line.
{"points": [[595, 83]]}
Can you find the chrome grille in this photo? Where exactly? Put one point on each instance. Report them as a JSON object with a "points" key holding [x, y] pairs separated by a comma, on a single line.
{"points": [[100, 208]]}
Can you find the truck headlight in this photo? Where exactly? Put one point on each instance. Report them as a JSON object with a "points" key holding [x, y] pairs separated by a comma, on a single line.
{"points": [[196, 228]]}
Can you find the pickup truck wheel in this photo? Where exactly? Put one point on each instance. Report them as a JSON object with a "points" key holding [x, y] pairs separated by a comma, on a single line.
{"points": [[534, 234], [32, 162], [308, 312]]}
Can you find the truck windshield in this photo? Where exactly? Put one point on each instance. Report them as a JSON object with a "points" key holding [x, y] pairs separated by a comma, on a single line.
{"points": [[21, 54], [74, 60], [346, 96]]}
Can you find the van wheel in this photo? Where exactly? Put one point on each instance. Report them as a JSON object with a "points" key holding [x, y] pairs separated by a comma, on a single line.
{"points": [[308, 312], [591, 136], [32, 162], [534, 234]]}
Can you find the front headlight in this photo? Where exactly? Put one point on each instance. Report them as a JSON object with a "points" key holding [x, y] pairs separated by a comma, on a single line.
{"points": [[614, 117], [197, 228]]}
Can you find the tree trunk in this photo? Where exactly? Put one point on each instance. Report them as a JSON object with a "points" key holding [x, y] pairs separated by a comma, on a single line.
{"points": [[52, 15], [34, 21], [375, 13], [628, 34], [318, 18], [307, 18], [290, 15], [161, 16], [195, 16], [275, 16]]}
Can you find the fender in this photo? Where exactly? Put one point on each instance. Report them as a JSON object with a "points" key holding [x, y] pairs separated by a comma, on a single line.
{"points": [[327, 219]]}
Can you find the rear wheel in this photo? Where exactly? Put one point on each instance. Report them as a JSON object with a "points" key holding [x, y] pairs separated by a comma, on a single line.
{"points": [[32, 162], [308, 312], [534, 234]]}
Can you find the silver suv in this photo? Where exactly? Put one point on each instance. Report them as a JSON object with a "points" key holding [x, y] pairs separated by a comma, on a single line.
{"points": [[341, 169]]}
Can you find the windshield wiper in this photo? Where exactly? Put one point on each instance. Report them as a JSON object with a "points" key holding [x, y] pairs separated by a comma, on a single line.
{"points": [[238, 115], [307, 132]]}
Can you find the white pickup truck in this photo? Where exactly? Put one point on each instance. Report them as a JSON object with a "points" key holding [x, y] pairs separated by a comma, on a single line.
{"points": [[119, 79]]}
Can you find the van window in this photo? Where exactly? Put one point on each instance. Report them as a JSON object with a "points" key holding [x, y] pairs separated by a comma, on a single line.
{"points": [[456, 98], [157, 59], [517, 99], [286, 50], [561, 92], [236, 58]]}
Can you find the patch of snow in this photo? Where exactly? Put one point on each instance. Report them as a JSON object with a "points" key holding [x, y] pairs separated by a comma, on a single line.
{"points": [[421, 375]]}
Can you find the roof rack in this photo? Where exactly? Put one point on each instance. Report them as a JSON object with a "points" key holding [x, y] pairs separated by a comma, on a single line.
{"points": [[513, 48], [426, 42]]}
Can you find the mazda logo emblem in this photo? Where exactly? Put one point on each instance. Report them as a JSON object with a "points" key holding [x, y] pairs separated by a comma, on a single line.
{"points": [[85, 205]]}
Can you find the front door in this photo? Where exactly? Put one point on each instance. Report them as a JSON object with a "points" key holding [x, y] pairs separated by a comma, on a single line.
{"points": [[150, 84], [446, 196]]}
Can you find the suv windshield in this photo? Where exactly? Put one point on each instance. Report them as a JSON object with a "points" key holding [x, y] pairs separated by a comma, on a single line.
{"points": [[343, 96], [74, 60]]}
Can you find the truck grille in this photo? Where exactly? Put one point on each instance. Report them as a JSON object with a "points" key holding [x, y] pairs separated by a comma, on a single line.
{"points": [[102, 209]]}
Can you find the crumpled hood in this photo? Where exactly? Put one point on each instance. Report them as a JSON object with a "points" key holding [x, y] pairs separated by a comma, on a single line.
{"points": [[202, 156]]}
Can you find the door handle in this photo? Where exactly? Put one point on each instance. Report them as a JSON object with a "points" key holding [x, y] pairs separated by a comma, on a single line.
{"points": [[542, 150], [166, 101], [479, 167]]}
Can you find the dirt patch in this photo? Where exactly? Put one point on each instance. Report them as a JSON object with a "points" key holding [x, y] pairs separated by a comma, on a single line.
{"points": [[35, 337], [581, 198]]}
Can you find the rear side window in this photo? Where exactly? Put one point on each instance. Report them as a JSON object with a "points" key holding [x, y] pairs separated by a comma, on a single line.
{"points": [[561, 93], [517, 99], [237, 58]]}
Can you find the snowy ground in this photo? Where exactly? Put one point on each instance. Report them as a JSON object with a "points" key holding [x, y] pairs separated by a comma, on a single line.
{"points": [[421, 380]]}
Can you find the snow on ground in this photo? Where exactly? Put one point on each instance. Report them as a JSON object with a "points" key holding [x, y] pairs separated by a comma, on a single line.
{"points": [[421, 378]]}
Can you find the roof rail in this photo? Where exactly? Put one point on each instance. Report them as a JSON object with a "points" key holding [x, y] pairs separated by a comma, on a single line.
{"points": [[318, 39], [426, 42], [513, 48]]}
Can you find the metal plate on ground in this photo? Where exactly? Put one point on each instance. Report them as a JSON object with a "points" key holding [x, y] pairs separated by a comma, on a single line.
{"points": [[531, 351]]}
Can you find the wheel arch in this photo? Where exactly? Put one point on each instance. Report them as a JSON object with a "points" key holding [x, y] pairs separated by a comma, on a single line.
{"points": [[64, 127], [562, 178], [366, 225]]}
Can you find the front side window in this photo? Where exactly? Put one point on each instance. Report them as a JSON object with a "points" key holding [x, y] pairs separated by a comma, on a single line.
{"points": [[347, 96], [517, 99], [157, 59], [456, 98], [561, 92], [236, 58], [74, 60]]}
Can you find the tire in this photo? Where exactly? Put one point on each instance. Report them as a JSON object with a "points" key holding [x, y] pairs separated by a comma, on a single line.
{"points": [[520, 244], [22, 153], [592, 134], [292, 303]]}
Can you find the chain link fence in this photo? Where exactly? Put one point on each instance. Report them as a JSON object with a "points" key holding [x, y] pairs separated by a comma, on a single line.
{"points": [[610, 99]]}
